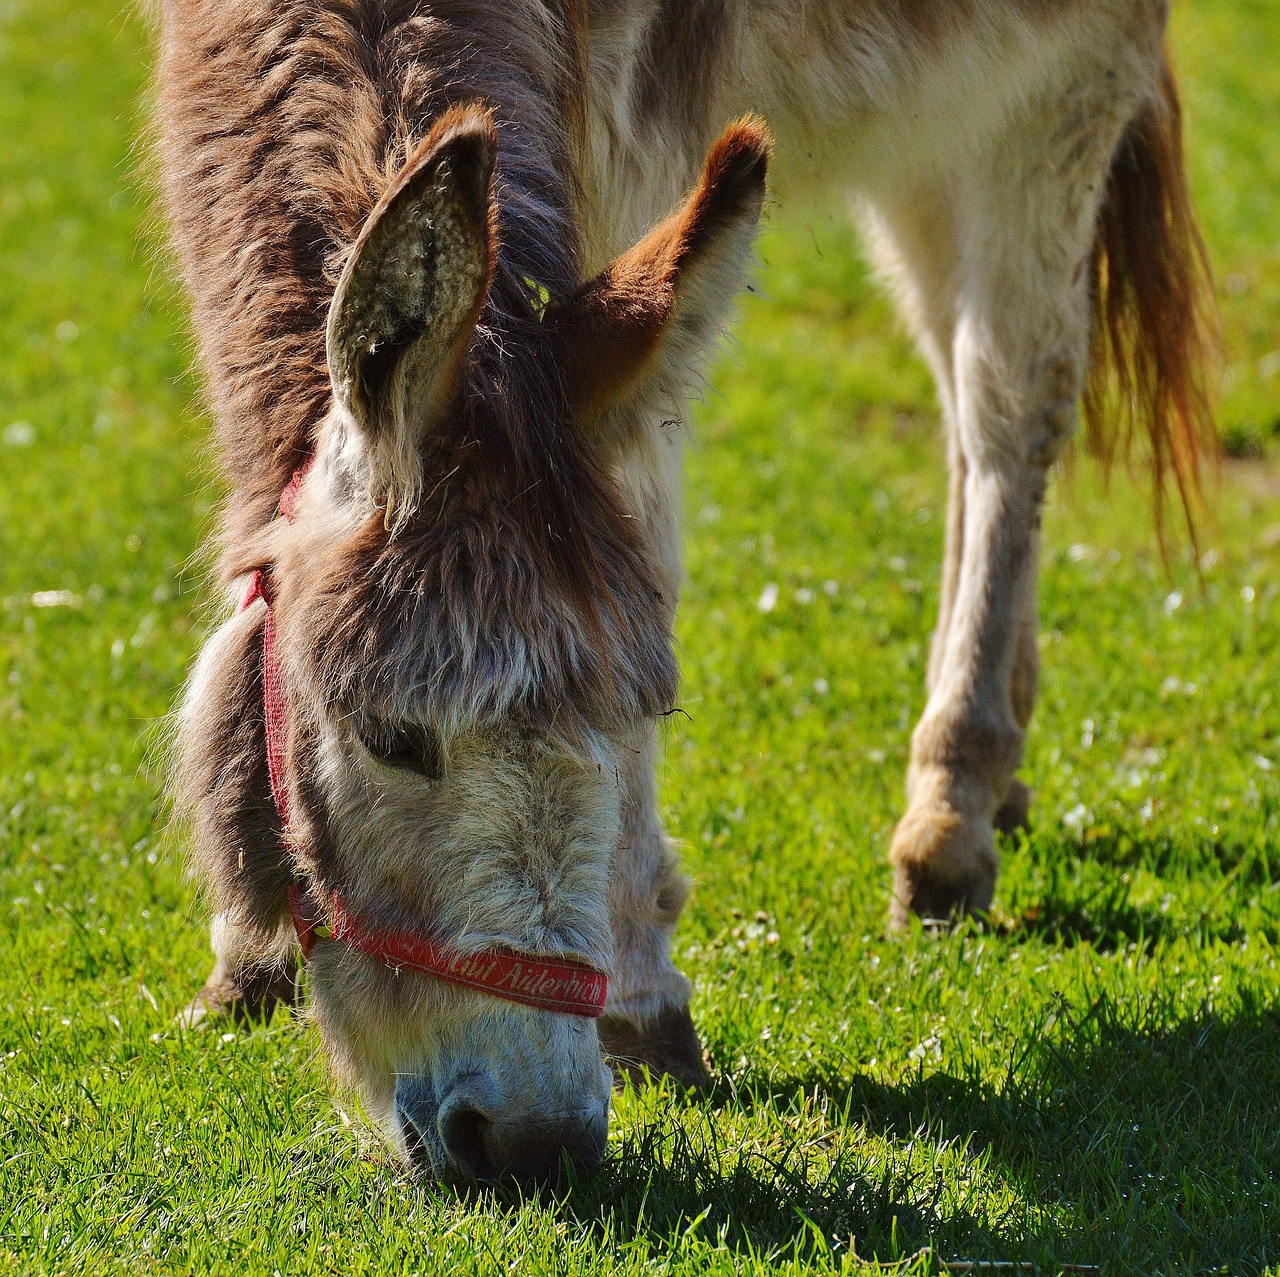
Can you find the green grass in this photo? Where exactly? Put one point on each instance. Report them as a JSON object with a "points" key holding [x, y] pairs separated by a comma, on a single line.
{"points": [[1090, 1079]]}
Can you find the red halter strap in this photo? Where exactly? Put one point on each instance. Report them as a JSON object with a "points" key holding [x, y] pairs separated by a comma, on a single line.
{"points": [[550, 985], [537, 982]]}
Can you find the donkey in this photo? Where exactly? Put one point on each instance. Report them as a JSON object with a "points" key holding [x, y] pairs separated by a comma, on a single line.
{"points": [[445, 312]]}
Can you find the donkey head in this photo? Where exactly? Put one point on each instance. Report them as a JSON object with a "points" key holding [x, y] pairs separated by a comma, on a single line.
{"points": [[474, 637]]}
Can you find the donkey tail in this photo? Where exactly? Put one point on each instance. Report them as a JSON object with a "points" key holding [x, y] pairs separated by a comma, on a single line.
{"points": [[1155, 334]]}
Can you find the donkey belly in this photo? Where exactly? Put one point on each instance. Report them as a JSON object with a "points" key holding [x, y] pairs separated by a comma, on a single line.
{"points": [[877, 116]]}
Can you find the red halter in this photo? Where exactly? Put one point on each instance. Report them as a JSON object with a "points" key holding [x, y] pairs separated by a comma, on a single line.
{"points": [[550, 985]]}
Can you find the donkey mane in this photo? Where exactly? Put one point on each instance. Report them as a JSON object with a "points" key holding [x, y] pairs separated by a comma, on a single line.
{"points": [[267, 194]]}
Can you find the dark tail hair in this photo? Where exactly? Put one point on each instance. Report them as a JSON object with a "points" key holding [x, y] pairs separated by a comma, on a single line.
{"points": [[1155, 338]]}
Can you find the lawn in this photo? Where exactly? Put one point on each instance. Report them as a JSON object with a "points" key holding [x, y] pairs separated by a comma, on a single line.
{"points": [[1090, 1078]]}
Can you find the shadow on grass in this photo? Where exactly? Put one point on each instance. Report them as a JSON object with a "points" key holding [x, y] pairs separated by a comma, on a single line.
{"points": [[1108, 919], [1139, 1148], [1081, 893]]}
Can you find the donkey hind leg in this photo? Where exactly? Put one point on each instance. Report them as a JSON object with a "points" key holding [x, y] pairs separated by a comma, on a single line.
{"points": [[1025, 220], [246, 983], [1015, 811], [647, 1025], [914, 237]]}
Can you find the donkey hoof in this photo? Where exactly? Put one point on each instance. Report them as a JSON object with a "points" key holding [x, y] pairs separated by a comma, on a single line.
{"points": [[252, 998], [1014, 812], [667, 1044], [944, 865]]}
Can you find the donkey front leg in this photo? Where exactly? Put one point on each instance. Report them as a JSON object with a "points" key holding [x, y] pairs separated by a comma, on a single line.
{"points": [[224, 793], [647, 1024], [249, 979]]}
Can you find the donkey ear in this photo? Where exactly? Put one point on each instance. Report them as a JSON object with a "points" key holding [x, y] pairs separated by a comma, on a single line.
{"points": [[409, 297], [659, 308]]}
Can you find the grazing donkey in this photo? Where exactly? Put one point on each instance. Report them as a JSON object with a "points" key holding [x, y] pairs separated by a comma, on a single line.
{"points": [[444, 323]]}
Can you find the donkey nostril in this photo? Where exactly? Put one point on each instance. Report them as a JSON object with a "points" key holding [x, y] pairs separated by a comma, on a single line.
{"points": [[464, 1131], [480, 1140]]}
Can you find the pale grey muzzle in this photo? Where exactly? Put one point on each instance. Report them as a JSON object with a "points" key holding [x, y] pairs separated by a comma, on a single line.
{"points": [[464, 1134]]}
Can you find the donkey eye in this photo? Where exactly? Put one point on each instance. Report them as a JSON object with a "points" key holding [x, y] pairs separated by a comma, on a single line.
{"points": [[405, 746]]}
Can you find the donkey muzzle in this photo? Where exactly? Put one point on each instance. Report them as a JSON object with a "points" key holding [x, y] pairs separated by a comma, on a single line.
{"points": [[465, 1135]]}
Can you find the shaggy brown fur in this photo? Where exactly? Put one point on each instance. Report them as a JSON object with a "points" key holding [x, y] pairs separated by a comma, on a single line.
{"points": [[267, 195], [521, 592], [527, 559]]}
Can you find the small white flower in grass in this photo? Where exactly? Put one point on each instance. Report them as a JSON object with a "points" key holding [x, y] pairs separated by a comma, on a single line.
{"points": [[804, 596], [1173, 602], [1077, 818], [54, 598], [897, 563], [821, 686], [21, 434], [831, 588], [1078, 553], [1247, 594], [768, 599], [66, 331], [931, 1047], [1264, 763]]}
